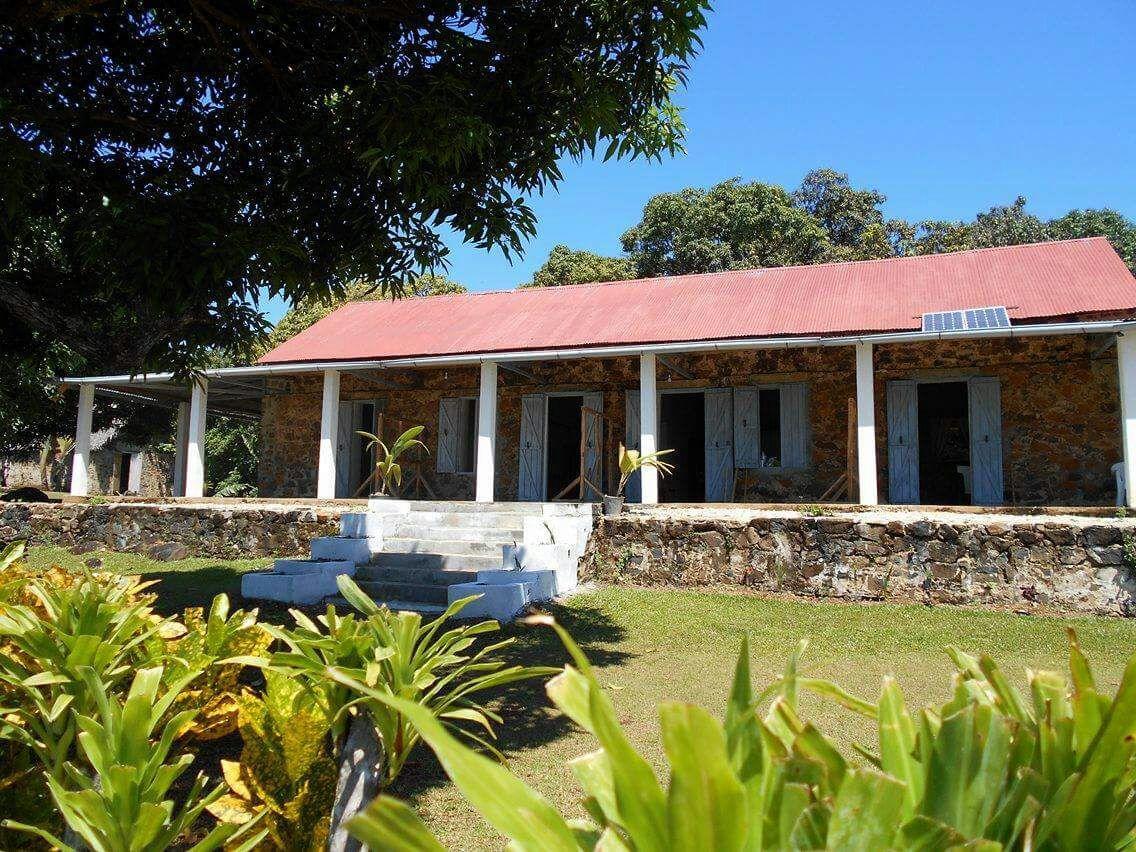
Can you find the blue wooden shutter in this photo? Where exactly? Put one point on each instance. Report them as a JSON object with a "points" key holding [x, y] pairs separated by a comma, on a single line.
{"points": [[903, 441], [530, 479], [986, 485], [719, 445], [634, 492], [450, 427], [795, 425], [593, 446], [747, 428]]}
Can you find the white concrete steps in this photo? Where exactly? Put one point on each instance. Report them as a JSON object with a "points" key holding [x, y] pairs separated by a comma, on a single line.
{"points": [[434, 561], [430, 576], [504, 535], [381, 590], [459, 547]]}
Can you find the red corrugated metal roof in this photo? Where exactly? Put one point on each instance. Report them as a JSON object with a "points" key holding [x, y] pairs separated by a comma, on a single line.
{"points": [[1037, 282]]}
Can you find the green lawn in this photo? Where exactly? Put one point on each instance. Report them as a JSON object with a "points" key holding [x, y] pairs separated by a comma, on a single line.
{"points": [[654, 644]]}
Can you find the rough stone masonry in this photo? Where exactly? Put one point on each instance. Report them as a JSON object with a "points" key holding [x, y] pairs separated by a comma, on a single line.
{"points": [[1062, 564]]}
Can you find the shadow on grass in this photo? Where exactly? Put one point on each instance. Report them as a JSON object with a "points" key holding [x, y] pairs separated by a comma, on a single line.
{"points": [[529, 719], [177, 590]]}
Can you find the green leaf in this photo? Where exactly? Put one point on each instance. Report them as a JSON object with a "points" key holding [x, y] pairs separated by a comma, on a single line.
{"points": [[388, 824], [705, 800], [867, 812]]}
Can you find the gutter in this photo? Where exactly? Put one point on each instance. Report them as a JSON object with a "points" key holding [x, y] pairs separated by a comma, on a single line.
{"points": [[576, 353]]}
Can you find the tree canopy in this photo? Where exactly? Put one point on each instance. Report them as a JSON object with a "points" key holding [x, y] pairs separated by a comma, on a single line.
{"points": [[570, 266], [162, 166], [738, 225]]}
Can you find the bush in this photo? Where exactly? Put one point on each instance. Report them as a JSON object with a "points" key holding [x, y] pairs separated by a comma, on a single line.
{"points": [[989, 769]]}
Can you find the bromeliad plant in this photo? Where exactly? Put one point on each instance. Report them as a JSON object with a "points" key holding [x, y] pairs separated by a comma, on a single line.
{"points": [[989, 770], [388, 471], [632, 461], [120, 799], [434, 665]]}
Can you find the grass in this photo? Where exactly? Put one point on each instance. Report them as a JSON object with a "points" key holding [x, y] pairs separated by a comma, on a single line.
{"points": [[652, 645]]}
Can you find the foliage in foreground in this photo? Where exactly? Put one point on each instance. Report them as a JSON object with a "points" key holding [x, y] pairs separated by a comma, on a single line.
{"points": [[990, 769], [119, 800]]}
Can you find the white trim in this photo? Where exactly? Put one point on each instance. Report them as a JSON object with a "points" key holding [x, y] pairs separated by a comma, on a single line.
{"points": [[81, 453], [329, 437], [195, 445], [575, 353], [1126, 364], [866, 425], [648, 429], [486, 456]]}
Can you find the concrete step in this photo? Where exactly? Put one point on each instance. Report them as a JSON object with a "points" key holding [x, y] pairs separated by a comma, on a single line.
{"points": [[456, 533], [357, 550], [434, 561], [470, 507], [456, 548], [427, 610], [474, 520], [429, 576], [416, 592]]}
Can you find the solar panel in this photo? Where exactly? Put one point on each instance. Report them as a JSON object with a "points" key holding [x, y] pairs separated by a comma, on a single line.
{"points": [[967, 319]]}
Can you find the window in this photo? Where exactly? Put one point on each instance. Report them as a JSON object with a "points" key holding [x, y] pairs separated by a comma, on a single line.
{"points": [[771, 426], [457, 434]]}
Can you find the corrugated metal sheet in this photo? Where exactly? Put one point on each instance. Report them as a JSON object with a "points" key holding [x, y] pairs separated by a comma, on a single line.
{"points": [[1039, 282]]}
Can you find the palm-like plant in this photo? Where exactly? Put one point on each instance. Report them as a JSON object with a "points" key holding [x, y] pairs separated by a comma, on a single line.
{"points": [[60, 626], [989, 770], [387, 468], [121, 801], [395, 653], [632, 461]]}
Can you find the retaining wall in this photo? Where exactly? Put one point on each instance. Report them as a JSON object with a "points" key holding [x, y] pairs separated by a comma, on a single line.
{"points": [[224, 532], [1059, 564]]}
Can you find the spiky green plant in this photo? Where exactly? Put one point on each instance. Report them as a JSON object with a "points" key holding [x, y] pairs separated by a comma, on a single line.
{"points": [[120, 799], [387, 469], [61, 625], [397, 654], [988, 770], [632, 461]]}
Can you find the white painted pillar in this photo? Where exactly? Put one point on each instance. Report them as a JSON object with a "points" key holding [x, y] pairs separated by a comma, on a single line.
{"points": [[648, 427], [181, 448], [1126, 361], [866, 425], [329, 436], [486, 432], [81, 454], [195, 440]]}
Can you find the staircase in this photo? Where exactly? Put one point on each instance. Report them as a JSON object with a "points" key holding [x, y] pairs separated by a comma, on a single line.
{"points": [[420, 555]]}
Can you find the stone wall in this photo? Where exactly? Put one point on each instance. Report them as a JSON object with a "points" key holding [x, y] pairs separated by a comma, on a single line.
{"points": [[1066, 565], [226, 533], [1060, 412], [102, 473]]}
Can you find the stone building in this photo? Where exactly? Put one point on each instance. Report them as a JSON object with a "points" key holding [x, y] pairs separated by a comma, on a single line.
{"points": [[993, 377], [114, 466]]}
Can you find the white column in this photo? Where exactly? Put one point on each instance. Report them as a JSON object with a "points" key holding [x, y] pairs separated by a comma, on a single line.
{"points": [[486, 432], [648, 427], [195, 440], [1126, 358], [329, 436], [181, 446], [866, 425], [81, 454]]}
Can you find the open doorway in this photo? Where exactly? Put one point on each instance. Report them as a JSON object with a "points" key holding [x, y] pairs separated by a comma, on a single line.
{"points": [[944, 443], [682, 428], [563, 442]]}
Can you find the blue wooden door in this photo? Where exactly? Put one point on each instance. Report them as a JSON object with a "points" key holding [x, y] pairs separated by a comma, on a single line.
{"points": [[719, 445], [530, 481], [903, 442], [986, 486]]}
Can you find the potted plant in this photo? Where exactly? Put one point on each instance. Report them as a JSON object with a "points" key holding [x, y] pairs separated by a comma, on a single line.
{"points": [[387, 469], [629, 462]]}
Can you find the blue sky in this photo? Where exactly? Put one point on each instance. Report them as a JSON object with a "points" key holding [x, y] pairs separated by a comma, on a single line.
{"points": [[948, 108]]}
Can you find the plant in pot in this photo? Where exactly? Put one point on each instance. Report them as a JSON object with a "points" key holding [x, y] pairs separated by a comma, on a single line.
{"points": [[631, 461], [388, 472]]}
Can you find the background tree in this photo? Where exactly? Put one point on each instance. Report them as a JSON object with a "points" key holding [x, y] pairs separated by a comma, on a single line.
{"points": [[733, 225], [573, 266], [164, 165], [853, 218], [1120, 230]]}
